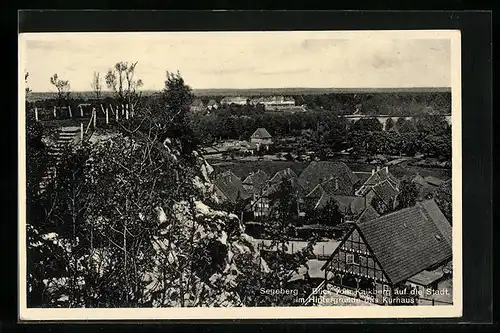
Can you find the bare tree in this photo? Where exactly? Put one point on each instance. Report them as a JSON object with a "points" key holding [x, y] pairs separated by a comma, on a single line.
{"points": [[27, 89], [97, 85], [121, 79], [63, 88]]}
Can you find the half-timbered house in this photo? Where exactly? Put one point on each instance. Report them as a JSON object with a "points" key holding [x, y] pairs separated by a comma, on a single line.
{"points": [[382, 259]]}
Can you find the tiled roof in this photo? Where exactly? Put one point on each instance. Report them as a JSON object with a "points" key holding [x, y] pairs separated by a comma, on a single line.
{"points": [[261, 133], [409, 241], [272, 188], [362, 176], [229, 184], [258, 180], [318, 172], [283, 174], [350, 204], [368, 214], [386, 192], [379, 176]]}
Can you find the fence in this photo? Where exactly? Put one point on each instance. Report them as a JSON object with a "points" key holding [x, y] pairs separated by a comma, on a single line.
{"points": [[104, 112]]}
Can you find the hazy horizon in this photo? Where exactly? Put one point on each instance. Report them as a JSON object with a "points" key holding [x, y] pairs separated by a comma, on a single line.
{"points": [[339, 89], [244, 60]]}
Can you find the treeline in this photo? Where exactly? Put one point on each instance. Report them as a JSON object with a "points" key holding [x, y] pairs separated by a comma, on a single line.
{"points": [[326, 132], [394, 103], [429, 135]]}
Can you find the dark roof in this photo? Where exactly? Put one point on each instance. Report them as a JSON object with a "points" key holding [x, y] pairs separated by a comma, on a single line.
{"points": [[322, 201], [409, 241], [318, 172], [212, 102], [258, 180], [283, 174], [368, 214], [362, 176], [432, 211], [386, 192], [229, 184], [286, 174], [350, 204], [261, 133], [335, 186], [381, 175]]}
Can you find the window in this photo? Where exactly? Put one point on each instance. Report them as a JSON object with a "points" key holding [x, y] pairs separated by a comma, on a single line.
{"points": [[352, 259]]}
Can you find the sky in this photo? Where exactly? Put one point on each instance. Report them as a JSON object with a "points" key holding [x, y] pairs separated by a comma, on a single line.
{"points": [[238, 60]]}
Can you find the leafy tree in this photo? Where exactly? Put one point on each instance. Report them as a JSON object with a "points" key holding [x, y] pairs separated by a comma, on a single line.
{"points": [[367, 124], [405, 125], [431, 124], [284, 200], [172, 112], [389, 124], [329, 214], [408, 193], [443, 198]]}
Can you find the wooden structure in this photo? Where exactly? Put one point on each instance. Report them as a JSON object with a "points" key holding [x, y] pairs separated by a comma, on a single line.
{"points": [[383, 260]]}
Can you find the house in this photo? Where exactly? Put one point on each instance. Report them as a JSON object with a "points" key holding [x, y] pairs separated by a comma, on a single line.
{"points": [[274, 103], [334, 177], [261, 137], [386, 259], [197, 105], [261, 204], [368, 214], [377, 176], [247, 147], [351, 206], [238, 100], [229, 188], [282, 175], [385, 193], [255, 182], [212, 105]]}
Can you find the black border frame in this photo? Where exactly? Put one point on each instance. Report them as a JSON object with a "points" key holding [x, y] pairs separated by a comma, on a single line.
{"points": [[476, 29]]}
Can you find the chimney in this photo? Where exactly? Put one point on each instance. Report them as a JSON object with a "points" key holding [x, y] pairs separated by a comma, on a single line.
{"points": [[336, 184], [387, 169], [378, 168], [373, 172]]}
